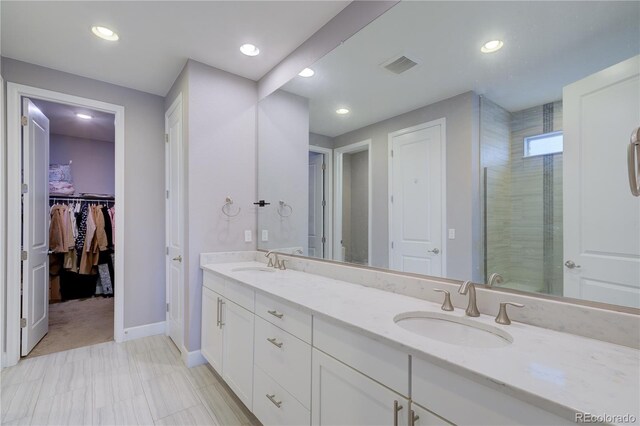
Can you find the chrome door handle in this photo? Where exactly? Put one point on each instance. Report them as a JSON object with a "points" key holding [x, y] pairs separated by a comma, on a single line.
{"points": [[434, 251], [396, 408], [571, 264], [274, 342], [272, 398], [221, 312], [178, 258], [414, 417], [633, 162], [276, 314], [218, 313]]}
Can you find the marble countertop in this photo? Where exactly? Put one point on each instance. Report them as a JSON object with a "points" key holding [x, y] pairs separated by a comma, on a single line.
{"points": [[558, 372]]}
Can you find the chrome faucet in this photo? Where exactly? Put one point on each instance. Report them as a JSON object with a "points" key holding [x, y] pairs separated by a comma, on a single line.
{"points": [[472, 307], [495, 278], [273, 262]]}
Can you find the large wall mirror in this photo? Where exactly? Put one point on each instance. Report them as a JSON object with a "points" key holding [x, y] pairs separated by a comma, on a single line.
{"points": [[463, 140]]}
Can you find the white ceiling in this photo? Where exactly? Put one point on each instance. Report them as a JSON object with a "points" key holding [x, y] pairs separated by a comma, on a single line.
{"points": [[547, 45], [157, 37], [63, 121]]}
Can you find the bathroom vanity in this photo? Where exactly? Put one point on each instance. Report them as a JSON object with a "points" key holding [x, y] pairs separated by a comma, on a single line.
{"points": [[301, 348]]}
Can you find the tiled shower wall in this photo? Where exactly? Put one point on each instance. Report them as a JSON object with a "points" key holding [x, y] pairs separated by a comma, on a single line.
{"points": [[516, 204]]}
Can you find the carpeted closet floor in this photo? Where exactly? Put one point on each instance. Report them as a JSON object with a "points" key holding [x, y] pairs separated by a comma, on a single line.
{"points": [[77, 323]]}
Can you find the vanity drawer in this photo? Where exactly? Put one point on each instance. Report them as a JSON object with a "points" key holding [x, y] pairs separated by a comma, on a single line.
{"points": [[377, 360], [289, 412], [213, 282], [285, 358], [445, 393], [240, 294], [285, 316]]}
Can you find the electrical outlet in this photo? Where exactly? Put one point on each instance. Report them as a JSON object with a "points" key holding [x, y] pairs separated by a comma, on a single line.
{"points": [[452, 234], [247, 236], [265, 235]]}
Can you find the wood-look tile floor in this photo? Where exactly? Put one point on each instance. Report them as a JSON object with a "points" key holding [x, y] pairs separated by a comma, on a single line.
{"points": [[139, 382]]}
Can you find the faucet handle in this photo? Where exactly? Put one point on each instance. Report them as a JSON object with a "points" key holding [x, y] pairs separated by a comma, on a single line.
{"points": [[502, 317], [446, 305]]}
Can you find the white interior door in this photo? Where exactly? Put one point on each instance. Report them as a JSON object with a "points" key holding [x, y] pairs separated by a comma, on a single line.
{"points": [[601, 217], [316, 205], [417, 200], [174, 222], [35, 226]]}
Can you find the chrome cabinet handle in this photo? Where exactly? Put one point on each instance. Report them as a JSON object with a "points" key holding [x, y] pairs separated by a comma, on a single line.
{"points": [[413, 418], [434, 251], [274, 342], [396, 408], [633, 162], [178, 258], [446, 305], [272, 398], [222, 303], [502, 317], [276, 314], [218, 313], [571, 264]]}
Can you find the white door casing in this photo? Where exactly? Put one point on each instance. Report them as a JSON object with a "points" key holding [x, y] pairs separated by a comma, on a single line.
{"points": [[174, 214], [316, 207], [35, 226], [417, 199], [601, 217]]}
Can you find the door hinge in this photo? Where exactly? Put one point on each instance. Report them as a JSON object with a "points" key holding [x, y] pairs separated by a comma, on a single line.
{"points": [[24, 255], [25, 188], [324, 203], [324, 166], [166, 138], [167, 250], [24, 120], [167, 307], [391, 244], [392, 198], [23, 322], [324, 240], [391, 153], [167, 194]]}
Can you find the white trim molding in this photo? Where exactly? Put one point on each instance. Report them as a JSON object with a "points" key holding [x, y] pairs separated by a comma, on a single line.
{"points": [[192, 359], [15, 93], [146, 330], [328, 231]]}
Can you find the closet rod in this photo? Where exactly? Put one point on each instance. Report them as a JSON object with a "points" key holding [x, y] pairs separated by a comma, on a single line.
{"points": [[80, 198]]}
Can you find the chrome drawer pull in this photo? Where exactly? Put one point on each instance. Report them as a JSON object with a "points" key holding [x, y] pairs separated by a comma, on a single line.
{"points": [[273, 341], [276, 314], [396, 407], [272, 398]]}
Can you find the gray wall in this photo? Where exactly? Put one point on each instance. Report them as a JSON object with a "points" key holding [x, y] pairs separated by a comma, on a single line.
{"points": [[221, 161], [320, 140], [463, 184], [283, 162], [144, 287], [93, 168]]}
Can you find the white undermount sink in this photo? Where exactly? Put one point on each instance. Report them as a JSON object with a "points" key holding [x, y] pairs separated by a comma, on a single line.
{"points": [[253, 268], [454, 330]]}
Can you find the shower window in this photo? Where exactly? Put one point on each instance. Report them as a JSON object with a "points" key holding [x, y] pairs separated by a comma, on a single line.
{"points": [[546, 143]]}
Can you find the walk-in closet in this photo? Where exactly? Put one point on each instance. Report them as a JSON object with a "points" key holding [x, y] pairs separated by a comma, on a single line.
{"points": [[81, 234]]}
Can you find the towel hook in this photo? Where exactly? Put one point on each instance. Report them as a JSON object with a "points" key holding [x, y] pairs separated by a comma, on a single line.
{"points": [[282, 208], [227, 211]]}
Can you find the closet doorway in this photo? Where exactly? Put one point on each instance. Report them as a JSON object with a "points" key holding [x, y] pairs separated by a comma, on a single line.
{"points": [[65, 222]]}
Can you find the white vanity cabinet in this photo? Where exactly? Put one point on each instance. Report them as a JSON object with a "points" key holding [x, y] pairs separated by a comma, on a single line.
{"points": [[423, 417], [343, 396], [227, 333]]}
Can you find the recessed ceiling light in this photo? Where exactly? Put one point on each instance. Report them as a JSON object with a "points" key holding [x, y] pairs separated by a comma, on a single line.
{"points": [[307, 72], [492, 46], [342, 111], [249, 50], [83, 116], [104, 33]]}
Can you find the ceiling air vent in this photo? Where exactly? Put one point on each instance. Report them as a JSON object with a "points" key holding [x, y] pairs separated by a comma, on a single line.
{"points": [[400, 65]]}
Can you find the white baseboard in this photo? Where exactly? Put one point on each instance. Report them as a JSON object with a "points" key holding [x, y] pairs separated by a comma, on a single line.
{"points": [[146, 330], [192, 359]]}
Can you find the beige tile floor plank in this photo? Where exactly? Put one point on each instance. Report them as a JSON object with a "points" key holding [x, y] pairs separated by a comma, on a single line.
{"points": [[193, 416], [134, 411], [69, 408], [169, 394], [18, 400]]}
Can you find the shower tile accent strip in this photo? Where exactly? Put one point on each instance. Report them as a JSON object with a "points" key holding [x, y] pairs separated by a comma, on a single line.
{"points": [[547, 202]]}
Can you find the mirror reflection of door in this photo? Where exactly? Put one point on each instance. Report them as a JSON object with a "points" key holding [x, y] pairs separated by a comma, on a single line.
{"points": [[317, 205]]}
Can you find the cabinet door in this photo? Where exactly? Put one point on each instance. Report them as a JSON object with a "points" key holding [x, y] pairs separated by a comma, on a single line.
{"points": [[237, 358], [211, 334], [342, 396], [422, 417]]}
